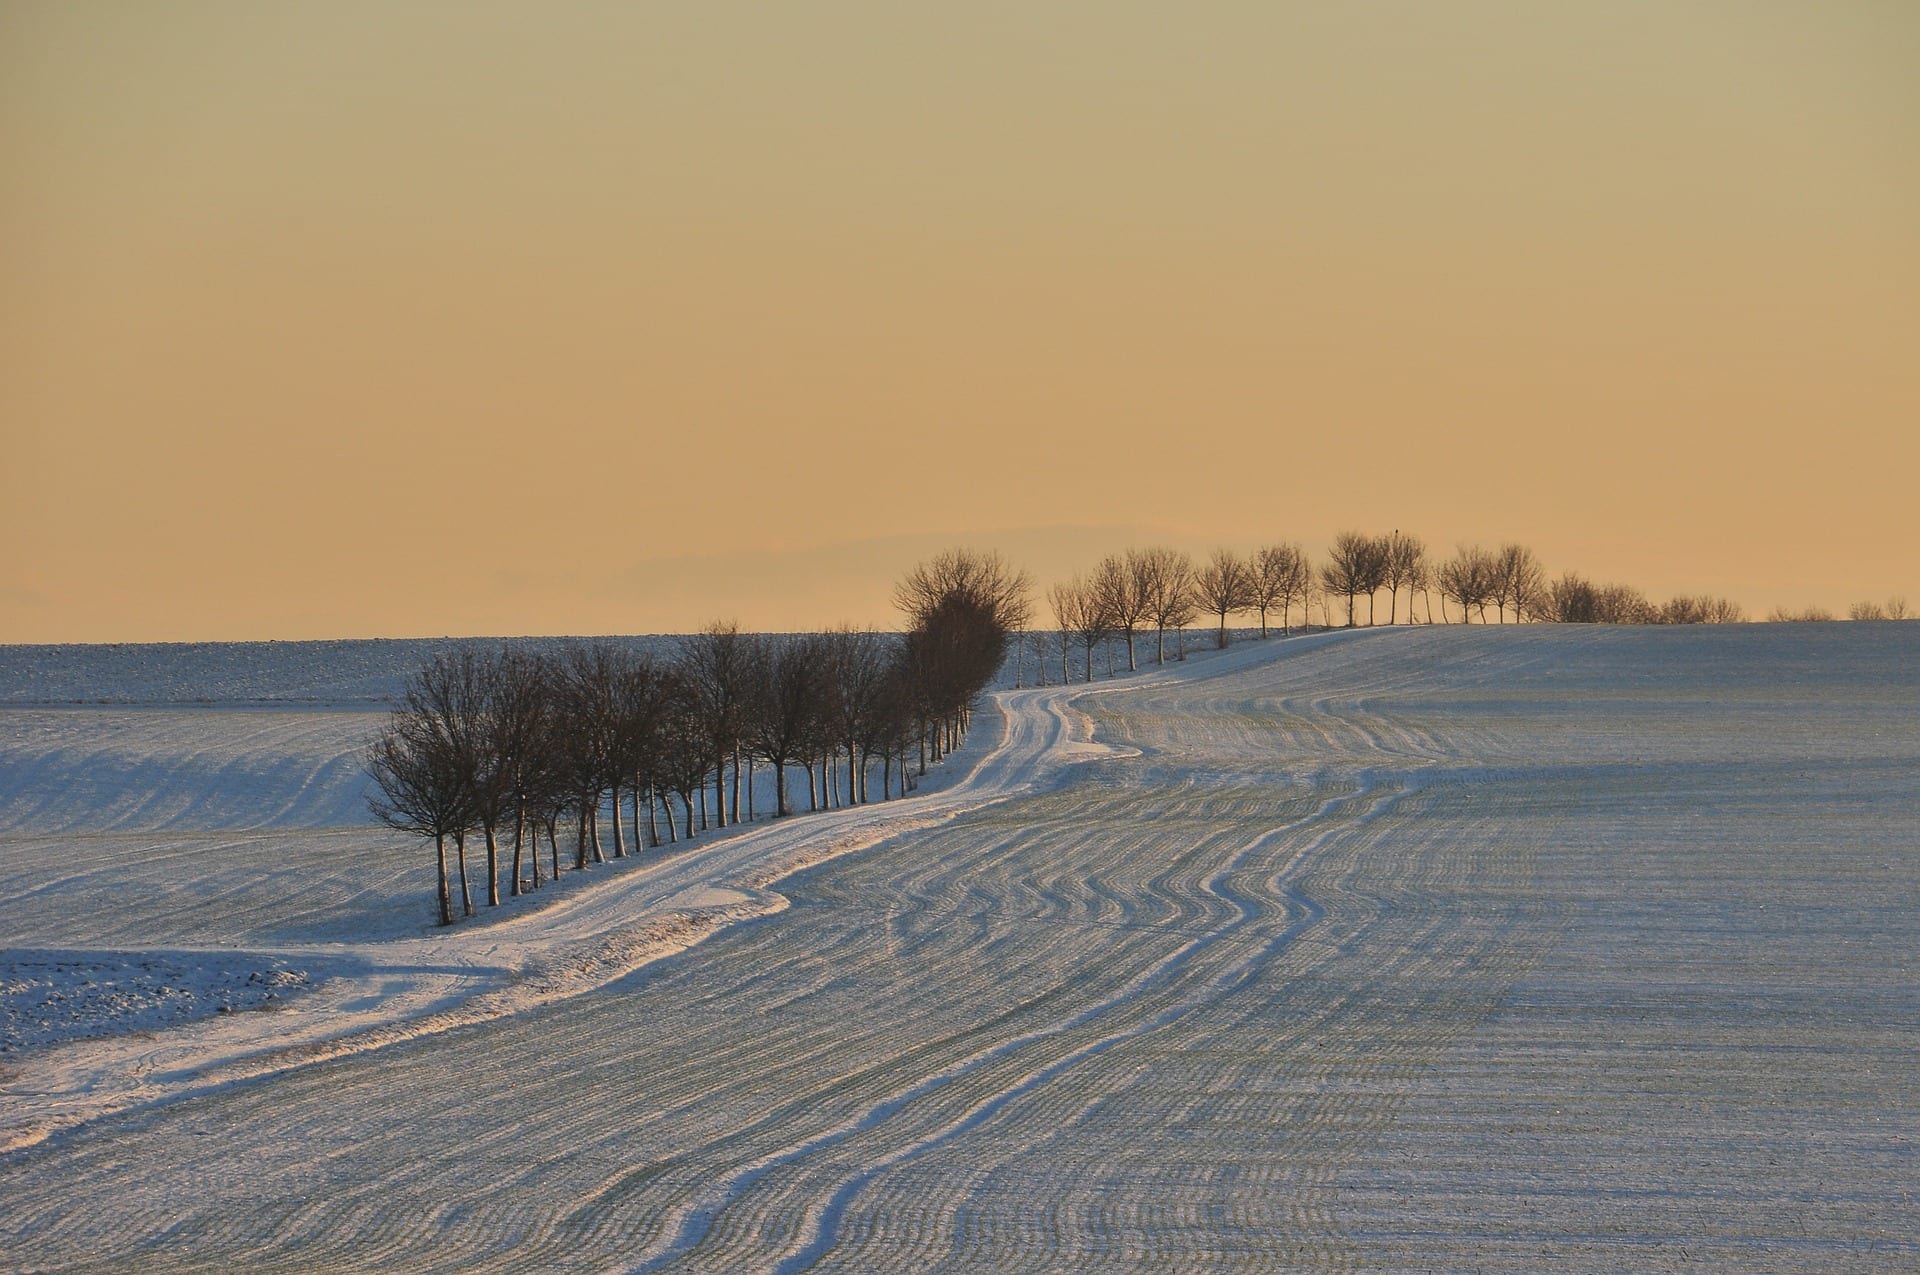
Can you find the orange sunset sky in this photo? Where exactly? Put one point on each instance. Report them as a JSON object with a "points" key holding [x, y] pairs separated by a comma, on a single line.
{"points": [[344, 319]]}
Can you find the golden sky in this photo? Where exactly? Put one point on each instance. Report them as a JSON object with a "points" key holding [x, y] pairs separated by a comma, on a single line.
{"points": [[338, 319]]}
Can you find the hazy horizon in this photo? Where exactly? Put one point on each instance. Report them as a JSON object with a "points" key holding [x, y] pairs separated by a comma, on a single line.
{"points": [[345, 320]]}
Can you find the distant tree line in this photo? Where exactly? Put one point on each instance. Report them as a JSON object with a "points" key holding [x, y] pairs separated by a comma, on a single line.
{"points": [[1161, 591], [1894, 608], [507, 747]]}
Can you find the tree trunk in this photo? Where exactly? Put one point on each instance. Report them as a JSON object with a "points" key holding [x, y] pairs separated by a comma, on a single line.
{"points": [[519, 836], [813, 788], [446, 889], [519, 827], [493, 867], [734, 810], [580, 840], [779, 789], [719, 791], [1160, 652], [553, 843], [619, 833], [1220, 641], [466, 895]]}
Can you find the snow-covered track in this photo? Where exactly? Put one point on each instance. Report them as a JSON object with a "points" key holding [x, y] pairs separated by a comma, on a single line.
{"points": [[375, 993]]}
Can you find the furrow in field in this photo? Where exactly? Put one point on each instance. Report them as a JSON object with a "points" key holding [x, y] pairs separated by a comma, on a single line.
{"points": [[983, 1102], [1498, 959]]}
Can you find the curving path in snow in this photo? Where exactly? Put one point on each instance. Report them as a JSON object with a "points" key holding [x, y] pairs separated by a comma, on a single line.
{"points": [[374, 993]]}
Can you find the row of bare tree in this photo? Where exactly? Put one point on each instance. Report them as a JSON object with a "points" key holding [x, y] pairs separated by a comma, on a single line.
{"points": [[513, 744], [1161, 591], [1894, 608]]}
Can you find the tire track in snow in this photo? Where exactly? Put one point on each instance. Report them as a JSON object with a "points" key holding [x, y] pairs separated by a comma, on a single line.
{"points": [[822, 1225], [697, 1219]]}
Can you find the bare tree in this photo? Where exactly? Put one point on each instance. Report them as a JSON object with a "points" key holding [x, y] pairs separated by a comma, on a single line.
{"points": [[519, 725], [450, 693], [1468, 579], [584, 684], [1570, 600], [1895, 608], [1404, 566], [962, 607], [1296, 585], [639, 703], [780, 708], [713, 662], [1164, 578], [858, 662], [421, 787], [1273, 579], [1573, 600], [496, 722], [981, 580], [881, 718], [1516, 581], [1081, 611], [1355, 564], [1317, 593], [1421, 582], [686, 746], [1374, 571], [1065, 601], [1701, 609], [1120, 583], [1223, 586], [1624, 604]]}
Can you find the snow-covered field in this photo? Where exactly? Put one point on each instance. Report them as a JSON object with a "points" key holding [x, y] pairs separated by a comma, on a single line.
{"points": [[1452, 950]]}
